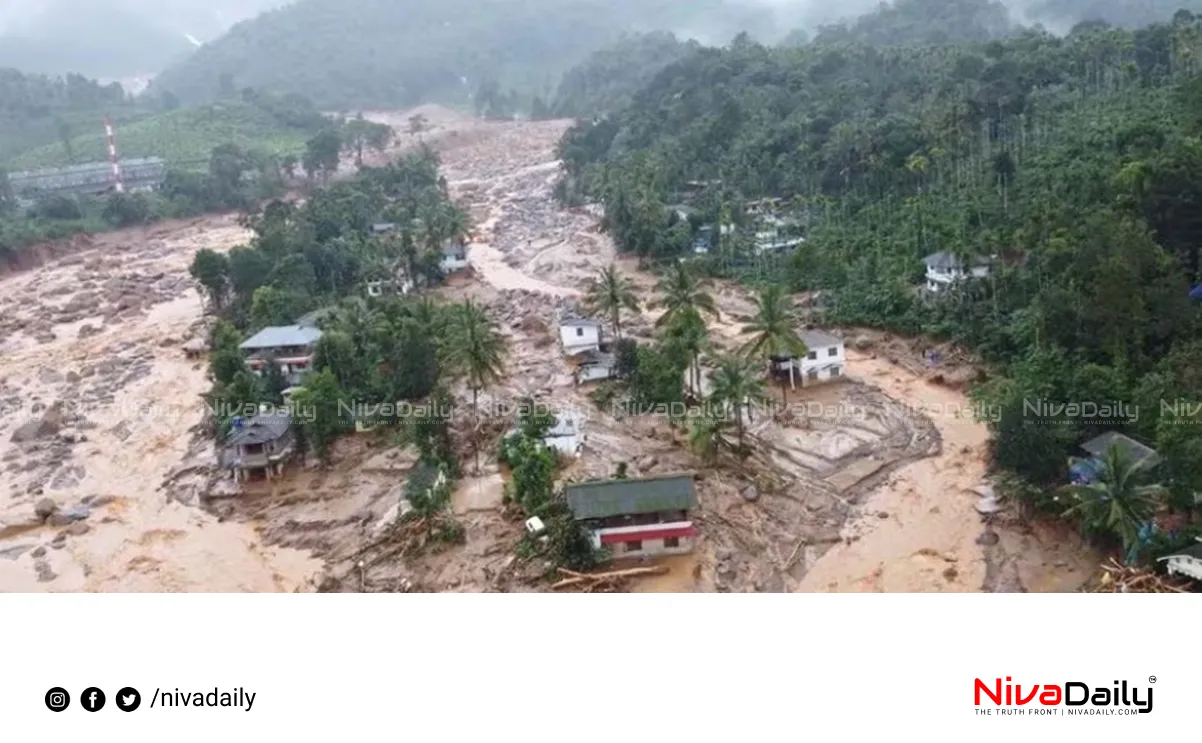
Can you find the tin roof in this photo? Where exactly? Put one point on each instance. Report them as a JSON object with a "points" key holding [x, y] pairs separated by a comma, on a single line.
{"points": [[1099, 445], [602, 499], [281, 336], [818, 339], [260, 429]]}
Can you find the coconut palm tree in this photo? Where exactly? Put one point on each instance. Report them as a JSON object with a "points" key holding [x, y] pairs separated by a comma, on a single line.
{"points": [[1120, 502], [736, 384], [682, 293], [687, 334], [609, 294], [708, 437], [774, 330], [476, 349]]}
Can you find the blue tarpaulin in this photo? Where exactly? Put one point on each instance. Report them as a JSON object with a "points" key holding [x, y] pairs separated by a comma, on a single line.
{"points": [[1085, 471], [1196, 293]]}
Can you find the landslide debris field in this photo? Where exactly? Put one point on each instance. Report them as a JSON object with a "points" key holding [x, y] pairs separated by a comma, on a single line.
{"points": [[109, 484]]}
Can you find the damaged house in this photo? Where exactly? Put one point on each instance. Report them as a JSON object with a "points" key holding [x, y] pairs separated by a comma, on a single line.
{"points": [[261, 444], [635, 518]]}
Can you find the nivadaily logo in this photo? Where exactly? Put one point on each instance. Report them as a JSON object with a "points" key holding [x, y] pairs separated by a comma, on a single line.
{"points": [[1069, 698]]}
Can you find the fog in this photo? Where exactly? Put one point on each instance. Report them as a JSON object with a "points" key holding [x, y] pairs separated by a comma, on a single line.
{"points": [[126, 38]]}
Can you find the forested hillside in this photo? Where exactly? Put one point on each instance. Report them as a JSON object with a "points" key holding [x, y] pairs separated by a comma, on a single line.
{"points": [[609, 77], [1075, 162], [37, 109], [361, 53]]}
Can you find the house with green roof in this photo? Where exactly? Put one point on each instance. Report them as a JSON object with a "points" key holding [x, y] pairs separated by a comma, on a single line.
{"points": [[638, 517]]}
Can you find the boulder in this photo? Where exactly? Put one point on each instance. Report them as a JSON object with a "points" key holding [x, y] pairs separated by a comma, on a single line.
{"points": [[751, 494], [45, 508]]}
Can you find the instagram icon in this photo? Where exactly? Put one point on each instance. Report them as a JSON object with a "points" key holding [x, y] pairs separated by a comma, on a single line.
{"points": [[57, 699]]}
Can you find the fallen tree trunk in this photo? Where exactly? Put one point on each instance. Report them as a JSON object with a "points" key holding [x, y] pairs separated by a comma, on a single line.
{"points": [[592, 581]]}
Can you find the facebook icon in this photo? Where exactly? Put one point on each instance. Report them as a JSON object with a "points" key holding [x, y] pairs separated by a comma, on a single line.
{"points": [[92, 699]]}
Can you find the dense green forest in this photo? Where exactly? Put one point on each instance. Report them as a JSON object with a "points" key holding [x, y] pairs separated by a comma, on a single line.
{"points": [[1075, 162], [363, 53], [607, 79], [40, 109]]}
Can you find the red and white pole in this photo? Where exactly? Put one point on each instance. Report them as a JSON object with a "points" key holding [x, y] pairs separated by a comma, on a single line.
{"points": [[118, 186]]}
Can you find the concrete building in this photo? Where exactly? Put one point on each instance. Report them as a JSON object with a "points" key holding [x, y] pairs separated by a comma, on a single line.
{"points": [[137, 174], [291, 347], [595, 366], [634, 518], [454, 256], [579, 335], [945, 269], [261, 444], [825, 359]]}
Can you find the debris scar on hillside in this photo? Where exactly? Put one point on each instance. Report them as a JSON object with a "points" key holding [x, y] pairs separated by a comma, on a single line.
{"points": [[867, 498]]}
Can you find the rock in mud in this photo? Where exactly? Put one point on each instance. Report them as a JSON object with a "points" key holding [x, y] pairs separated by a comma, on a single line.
{"points": [[988, 539], [863, 343], [751, 494], [87, 330], [45, 574], [73, 377], [33, 430], [12, 553], [97, 501], [69, 516], [78, 529], [45, 508]]}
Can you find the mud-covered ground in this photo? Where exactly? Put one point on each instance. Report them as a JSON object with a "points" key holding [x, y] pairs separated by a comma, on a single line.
{"points": [[866, 488]]}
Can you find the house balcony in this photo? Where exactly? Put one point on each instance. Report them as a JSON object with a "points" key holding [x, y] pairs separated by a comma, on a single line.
{"points": [[259, 460]]}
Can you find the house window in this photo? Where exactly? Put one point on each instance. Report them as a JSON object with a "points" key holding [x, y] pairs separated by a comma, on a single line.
{"points": [[634, 546], [579, 332], [813, 374], [832, 351], [812, 355], [836, 371], [671, 542]]}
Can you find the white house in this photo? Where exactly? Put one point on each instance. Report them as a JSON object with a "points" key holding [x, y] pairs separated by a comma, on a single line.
{"points": [[636, 518], [578, 335], [825, 359], [454, 256], [380, 287], [945, 269], [595, 366], [1187, 562]]}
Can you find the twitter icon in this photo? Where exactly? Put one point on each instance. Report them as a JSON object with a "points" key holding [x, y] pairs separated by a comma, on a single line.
{"points": [[128, 699]]}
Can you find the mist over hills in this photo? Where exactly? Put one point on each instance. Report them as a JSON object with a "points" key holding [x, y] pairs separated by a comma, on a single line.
{"points": [[114, 38], [353, 53]]}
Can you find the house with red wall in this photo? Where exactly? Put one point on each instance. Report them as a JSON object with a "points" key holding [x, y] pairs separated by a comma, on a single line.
{"points": [[637, 517]]}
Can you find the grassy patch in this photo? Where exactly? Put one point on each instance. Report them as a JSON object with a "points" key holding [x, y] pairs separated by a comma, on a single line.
{"points": [[177, 136]]}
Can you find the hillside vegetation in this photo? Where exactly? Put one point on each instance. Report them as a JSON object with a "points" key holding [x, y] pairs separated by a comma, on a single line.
{"points": [[362, 53], [607, 79], [187, 136], [1075, 162], [39, 109]]}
